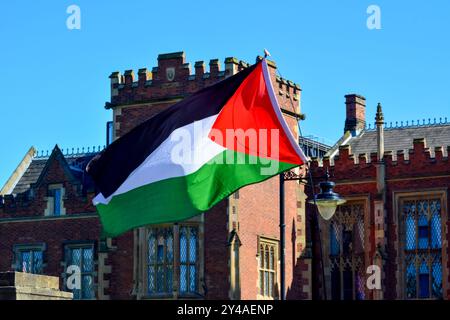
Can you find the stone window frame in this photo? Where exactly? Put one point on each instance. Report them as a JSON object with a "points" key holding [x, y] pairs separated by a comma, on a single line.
{"points": [[18, 248], [275, 243], [49, 210], [141, 251], [398, 197], [79, 244], [325, 239]]}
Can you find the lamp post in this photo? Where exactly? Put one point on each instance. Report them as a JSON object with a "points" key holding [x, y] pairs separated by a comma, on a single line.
{"points": [[326, 203]]}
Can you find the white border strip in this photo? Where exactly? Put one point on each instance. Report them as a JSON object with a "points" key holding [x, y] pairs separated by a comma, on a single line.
{"points": [[277, 109]]}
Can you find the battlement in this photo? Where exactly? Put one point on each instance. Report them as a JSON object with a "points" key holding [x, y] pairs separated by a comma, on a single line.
{"points": [[414, 161], [10, 204], [172, 78], [33, 203]]}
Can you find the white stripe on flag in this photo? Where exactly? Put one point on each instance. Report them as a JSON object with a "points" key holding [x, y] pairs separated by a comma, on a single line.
{"points": [[159, 165]]}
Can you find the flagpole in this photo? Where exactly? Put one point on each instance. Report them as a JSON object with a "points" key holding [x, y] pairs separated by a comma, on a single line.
{"points": [[282, 229], [282, 241]]}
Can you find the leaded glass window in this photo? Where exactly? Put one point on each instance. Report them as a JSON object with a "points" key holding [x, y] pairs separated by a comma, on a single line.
{"points": [[82, 256], [160, 260], [346, 252], [161, 254], [188, 259], [29, 260], [422, 248], [267, 268]]}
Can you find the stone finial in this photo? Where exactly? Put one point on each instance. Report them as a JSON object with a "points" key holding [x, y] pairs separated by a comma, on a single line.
{"points": [[379, 118], [379, 122]]}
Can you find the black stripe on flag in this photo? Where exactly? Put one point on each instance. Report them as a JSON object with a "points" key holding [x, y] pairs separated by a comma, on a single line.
{"points": [[113, 166]]}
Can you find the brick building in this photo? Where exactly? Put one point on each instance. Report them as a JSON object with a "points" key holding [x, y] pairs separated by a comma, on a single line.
{"points": [[47, 221], [396, 181]]}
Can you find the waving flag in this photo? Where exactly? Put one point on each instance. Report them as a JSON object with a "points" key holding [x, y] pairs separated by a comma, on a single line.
{"points": [[197, 152]]}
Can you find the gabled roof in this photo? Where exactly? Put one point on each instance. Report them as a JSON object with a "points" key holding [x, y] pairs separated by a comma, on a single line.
{"points": [[401, 138], [33, 169]]}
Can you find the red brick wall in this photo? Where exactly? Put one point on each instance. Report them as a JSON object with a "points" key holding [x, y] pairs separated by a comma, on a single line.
{"points": [[217, 275], [52, 233], [120, 258], [133, 116]]}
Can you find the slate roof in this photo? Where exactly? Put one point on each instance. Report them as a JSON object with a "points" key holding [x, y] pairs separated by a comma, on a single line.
{"points": [[402, 138], [76, 162], [30, 175]]}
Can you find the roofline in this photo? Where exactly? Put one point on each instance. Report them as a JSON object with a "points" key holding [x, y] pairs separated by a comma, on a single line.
{"points": [[18, 172], [315, 142], [55, 155], [342, 141]]}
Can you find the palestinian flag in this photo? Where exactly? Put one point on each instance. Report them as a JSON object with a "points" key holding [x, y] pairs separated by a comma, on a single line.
{"points": [[197, 152]]}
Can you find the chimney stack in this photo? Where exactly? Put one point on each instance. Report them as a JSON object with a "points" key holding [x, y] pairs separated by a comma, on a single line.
{"points": [[356, 113]]}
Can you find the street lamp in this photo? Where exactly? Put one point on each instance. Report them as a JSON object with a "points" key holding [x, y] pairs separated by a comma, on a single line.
{"points": [[327, 200], [326, 203]]}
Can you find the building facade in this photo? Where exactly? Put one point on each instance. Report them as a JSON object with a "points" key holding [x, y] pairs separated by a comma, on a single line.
{"points": [[48, 223], [396, 181]]}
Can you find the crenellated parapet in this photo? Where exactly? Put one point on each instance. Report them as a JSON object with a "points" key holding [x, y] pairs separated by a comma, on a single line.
{"points": [[418, 160], [11, 204], [173, 77], [346, 165]]}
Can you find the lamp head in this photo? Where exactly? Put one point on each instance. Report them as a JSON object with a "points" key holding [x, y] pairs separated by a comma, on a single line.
{"points": [[327, 201]]}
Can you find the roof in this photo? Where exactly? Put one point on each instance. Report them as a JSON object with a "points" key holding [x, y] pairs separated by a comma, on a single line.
{"points": [[401, 138], [31, 175], [27, 175]]}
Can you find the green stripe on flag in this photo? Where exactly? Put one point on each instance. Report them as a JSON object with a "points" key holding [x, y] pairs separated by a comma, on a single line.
{"points": [[180, 198]]}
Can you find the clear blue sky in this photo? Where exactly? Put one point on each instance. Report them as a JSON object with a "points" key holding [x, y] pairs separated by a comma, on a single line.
{"points": [[54, 81]]}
